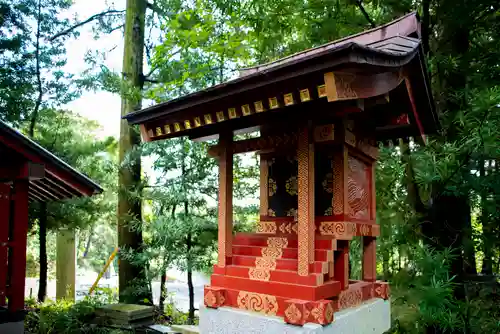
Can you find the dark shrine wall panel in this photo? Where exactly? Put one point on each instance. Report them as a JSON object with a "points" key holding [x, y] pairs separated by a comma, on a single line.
{"points": [[323, 190], [282, 184]]}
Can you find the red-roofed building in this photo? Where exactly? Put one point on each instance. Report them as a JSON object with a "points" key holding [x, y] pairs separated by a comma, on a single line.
{"points": [[28, 173]]}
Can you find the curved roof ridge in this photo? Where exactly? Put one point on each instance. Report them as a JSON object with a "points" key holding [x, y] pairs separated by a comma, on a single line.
{"points": [[403, 26]]}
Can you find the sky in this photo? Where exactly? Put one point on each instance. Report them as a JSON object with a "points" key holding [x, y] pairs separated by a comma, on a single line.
{"points": [[100, 106]]}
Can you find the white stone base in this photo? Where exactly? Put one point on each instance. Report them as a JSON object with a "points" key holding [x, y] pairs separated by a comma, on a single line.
{"points": [[372, 317]]}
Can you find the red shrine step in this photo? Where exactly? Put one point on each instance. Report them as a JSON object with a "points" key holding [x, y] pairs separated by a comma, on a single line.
{"points": [[284, 276], [287, 252], [279, 289], [317, 267], [253, 239]]}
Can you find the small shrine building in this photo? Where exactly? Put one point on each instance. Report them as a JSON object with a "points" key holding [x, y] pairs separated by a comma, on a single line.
{"points": [[28, 173], [321, 114]]}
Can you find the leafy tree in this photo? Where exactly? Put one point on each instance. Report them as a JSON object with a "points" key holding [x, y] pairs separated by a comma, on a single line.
{"points": [[72, 139]]}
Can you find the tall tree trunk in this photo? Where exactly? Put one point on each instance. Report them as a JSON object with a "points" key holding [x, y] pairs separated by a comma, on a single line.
{"points": [[163, 292], [89, 241], [189, 244], [190, 280], [129, 209], [166, 265], [425, 25], [42, 237], [449, 214]]}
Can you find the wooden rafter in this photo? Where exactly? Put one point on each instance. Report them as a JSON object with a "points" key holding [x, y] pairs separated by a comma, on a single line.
{"points": [[42, 190], [69, 192]]}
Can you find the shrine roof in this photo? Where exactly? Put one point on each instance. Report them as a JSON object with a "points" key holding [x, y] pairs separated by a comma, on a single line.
{"points": [[57, 181], [388, 48], [393, 38]]}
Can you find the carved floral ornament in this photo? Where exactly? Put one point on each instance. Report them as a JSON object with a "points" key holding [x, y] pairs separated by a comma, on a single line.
{"points": [[292, 186], [257, 302], [210, 299], [259, 274], [317, 312], [287, 227], [266, 227], [345, 230], [272, 187], [350, 298], [293, 313]]}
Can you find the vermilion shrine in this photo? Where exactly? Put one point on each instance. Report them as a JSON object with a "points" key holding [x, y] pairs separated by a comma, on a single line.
{"points": [[320, 114], [28, 173]]}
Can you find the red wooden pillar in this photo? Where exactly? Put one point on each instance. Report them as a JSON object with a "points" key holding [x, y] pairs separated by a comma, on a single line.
{"points": [[305, 156], [369, 266], [341, 208], [264, 186], [341, 264], [369, 259], [4, 238], [225, 218], [18, 249]]}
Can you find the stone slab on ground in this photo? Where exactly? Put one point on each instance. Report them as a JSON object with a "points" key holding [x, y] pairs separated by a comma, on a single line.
{"points": [[12, 327], [372, 317], [186, 329], [126, 312]]}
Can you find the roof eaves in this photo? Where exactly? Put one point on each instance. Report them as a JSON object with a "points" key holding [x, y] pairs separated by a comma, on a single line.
{"points": [[49, 157], [350, 49]]}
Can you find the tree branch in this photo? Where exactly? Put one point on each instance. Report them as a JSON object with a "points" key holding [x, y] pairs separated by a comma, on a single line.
{"points": [[359, 3], [90, 19]]}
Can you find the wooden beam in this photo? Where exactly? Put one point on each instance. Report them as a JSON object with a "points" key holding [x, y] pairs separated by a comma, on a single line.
{"points": [[144, 133], [41, 190], [64, 180], [341, 264], [305, 156], [65, 174], [350, 86], [24, 171], [36, 197], [264, 191], [257, 144], [369, 265], [69, 191], [5, 191], [414, 109], [18, 250], [225, 215], [54, 189], [33, 191]]}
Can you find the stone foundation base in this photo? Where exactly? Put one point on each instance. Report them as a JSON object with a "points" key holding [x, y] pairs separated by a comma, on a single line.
{"points": [[12, 327], [372, 317]]}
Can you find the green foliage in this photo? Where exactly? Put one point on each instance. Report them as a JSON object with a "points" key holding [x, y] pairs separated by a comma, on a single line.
{"points": [[73, 139], [205, 42], [63, 317], [170, 315], [32, 76]]}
